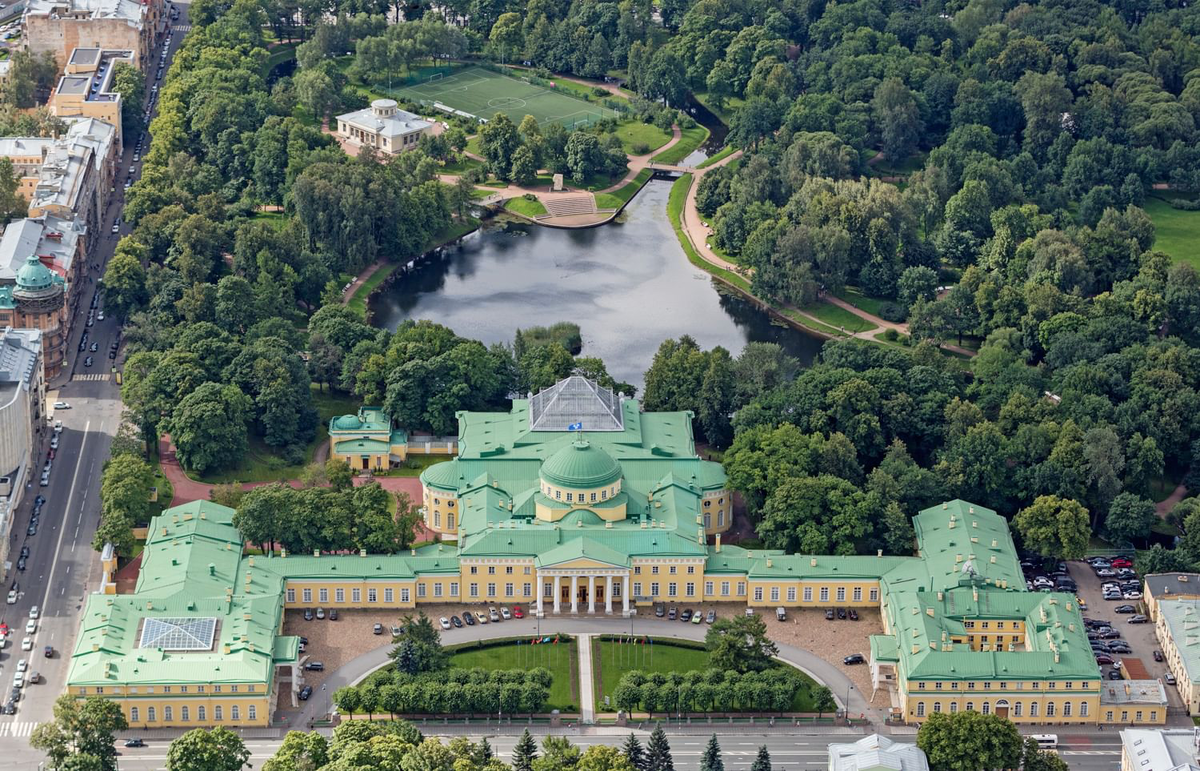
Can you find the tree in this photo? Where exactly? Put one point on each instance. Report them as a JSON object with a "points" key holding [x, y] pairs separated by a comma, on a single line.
{"points": [[506, 36], [524, 752], [300, 751], [658, 752], [125, 278], [1035, 758], [12, 204], [81, 728], [199, 750], [1129, 517], [125, 490], [823, 700], [583, 155], [1055, 527], [635, 753], [130, 83], [916, 283], [762, 761], [710, 759], [498, 141], [740, 643], [897, 118], [969, 741], [601, 757], [524, 166], [317, 92], [208, 427], [421, 648]]}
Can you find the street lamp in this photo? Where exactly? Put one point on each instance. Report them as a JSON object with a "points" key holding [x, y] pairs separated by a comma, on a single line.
{"points": [[849, 688]]}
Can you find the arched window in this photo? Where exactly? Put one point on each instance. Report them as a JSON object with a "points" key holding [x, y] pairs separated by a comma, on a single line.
{"points": [[1017, 709], [954, 708], [1049, 709], [920, 709], [1033, 709], [937, 707], [987, 708], [970, 706], [1066, 709], [1083, 709]]}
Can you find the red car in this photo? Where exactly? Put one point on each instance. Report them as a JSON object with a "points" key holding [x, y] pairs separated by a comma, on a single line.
{"points": [[518, 613], [1121, 562], [3, 628]]}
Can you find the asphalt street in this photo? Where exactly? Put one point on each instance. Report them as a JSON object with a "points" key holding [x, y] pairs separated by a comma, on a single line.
{"points": [[62, 567], [739, 748]]}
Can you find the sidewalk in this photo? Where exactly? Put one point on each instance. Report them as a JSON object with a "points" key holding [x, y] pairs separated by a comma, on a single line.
{"points": [[587, 697]]}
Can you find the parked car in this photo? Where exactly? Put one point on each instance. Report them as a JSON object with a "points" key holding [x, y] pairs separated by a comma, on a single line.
{"points": [[305, 692], [697, 617], [854, 658], [853, 614], [505, 614], [321, 613], [397, 630], [672, 613], [1169, 678], [481, 617], [1106, 572], [1132, 595], [308, 614], [60, 406], [841, 613], [315, 666], [1103, 658], [1114, 674], [445, 622], [660, 609], [829, 614], [469, 618], [1124, 609], [458, 622], [517, 612], [712, 616], [333, 616], [1138, 619], [1158, 656], [494, 614], [377, 629], [686, 615]]}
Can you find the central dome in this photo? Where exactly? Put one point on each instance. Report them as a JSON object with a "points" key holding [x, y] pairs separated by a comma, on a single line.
{"points": [[34, 275], [580, 466]]}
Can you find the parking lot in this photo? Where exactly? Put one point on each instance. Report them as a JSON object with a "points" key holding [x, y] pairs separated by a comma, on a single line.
{"points": [[1140, 637]]}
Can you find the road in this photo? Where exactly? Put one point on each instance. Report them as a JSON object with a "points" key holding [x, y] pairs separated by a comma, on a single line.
{"points": [[62, 566], [739, 748]]}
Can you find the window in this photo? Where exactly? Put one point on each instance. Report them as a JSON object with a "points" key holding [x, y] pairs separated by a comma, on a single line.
{"points": [[526, 589], [508, 571], [558, 495], [592, 498], [921, 686], [570, 497], [654, 570], [1016, 710], [491, 570], [920, 709], [152, 716], [774, 594], [453, 588], [233, 689], [637, 588], [133, 715], [356, 595], [168, 714], [707, 521], [724, 588], [291, 595], [691, 569], [1138, 717], [987, 708], [339, 595], [405, 595], [437, 518], [720, 519], [308, 595], [671, 589], [824, 594], [970, 706], [200, 716], [937, 686], [971, 686], [858, 594], [1033, 709], [791, 595], [808, 594], [474, 569], [491, 590], [323, 594], [1049, 709], [637, 570], [1083, 709], [437, 589], [616, 589], [708, 588], [841, 594], [450, 520], [954, 708], [874, 595], [654, 588], [474, 590], [1067, 709], [389, 596], [251, 712], [508, 589], [741, 589], [1124, 716], [985, 625], [235, 712], [371, 595], [548, 589], [758, 595], [937, 707], [689, 589]]}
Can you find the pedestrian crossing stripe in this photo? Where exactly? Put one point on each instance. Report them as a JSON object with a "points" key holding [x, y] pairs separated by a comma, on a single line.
{"points": [[182, 28], [17, 728], [91, 376]]}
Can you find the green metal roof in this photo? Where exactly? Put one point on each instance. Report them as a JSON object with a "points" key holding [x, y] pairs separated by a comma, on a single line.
{"points": [[367, 420], [362, 445], [34, 275], [582, 548], [581, 465], [1182, 618]]}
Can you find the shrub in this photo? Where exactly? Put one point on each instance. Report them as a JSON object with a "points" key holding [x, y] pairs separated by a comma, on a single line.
{"points": [[598, 91], [640, 148], [891, 335], [1184, 204], [893, 312]]}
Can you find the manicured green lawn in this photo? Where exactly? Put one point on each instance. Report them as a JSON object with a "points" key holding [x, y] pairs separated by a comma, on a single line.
{"points": [[621, 195], [1176, 232], [691, 139], [525, 207], [861, 301], [634, 132], [839, 317], [414, 465], [726, 151], [462, 165], [358, 302], [562, 660], [275, 219], [611, 660]]}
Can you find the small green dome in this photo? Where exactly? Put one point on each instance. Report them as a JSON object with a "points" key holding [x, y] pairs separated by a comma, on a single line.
{"points": [[443, 476], [34, 275], [580, 466], [346, 422]]}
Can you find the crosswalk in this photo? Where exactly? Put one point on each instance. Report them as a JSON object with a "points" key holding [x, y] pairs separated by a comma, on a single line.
{"points": [[91, 376], [17, 728], [181, 28]]}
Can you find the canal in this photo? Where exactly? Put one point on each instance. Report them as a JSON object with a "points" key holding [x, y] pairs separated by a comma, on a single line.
{"points": [[627, 284]]}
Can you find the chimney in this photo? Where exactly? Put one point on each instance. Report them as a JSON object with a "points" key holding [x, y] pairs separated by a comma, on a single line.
{"points": [[768, 562], [812, 562], [362, 552]]}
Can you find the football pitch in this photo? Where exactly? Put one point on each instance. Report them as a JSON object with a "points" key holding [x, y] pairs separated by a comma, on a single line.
{"points": [[484, 93]]}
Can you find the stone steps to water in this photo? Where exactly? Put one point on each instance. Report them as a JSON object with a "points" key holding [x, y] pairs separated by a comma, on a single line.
{"points": [[566, 205]]}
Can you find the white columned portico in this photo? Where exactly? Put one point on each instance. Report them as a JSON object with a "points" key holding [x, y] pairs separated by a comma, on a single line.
{"points": [[557, 591], [608, 594], [574, 594], [591, 594], [625, 594], [540, 593]]}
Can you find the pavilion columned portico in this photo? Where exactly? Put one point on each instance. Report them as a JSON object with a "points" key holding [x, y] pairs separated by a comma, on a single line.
{"points": [[582, 574]]}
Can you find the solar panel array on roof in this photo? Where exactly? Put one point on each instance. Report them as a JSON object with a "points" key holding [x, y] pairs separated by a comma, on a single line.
{"points": [[575, 404], [179, 634]]}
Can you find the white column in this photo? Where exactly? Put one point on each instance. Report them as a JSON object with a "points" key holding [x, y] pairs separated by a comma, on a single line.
{"points": [[608, 594], [557, 592], [591, 594], [574, 594], [540, 593], [625, 594]]}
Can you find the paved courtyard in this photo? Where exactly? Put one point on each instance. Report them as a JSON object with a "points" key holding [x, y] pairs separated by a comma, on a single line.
{"points": [[832, 641]]}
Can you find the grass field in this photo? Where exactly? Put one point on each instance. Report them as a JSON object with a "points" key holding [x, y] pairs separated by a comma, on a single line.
{"points": [[1176, 232], [861, 301], [525, 207], [621, 196], [839, 317], [610, 662], [689, 140], [484, 93], [726, 151], [562, 660], [633, 133]]}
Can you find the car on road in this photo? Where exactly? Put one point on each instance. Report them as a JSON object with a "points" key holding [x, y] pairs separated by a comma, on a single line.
{"points": [[87, 362], [1124, 609], [48, 652], [27, 644], [34, 612], [60, 406], [100, 316], [22, 665], [445, 622], [854, 658], [134, 743], [58, 426], [458, 623], [21, 564], [30, 626], [25, 549], [32, 529], [505, 614], [12, 597], [1138, 619], [469, 617], [1169, 678], [377, 629], [94, 347], [712, 616], [1158, 656], [10, 708], [305, 692], [116, 228], [517, 612]]}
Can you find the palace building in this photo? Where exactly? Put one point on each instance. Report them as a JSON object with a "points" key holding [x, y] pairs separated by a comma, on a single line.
{"points": [[575, 501], [383, 126]]}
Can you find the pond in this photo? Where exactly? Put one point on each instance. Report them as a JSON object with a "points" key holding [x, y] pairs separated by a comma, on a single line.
{"points": [[628, 285]]}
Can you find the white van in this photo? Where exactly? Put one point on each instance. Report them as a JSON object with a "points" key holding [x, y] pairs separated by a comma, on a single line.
{"points": [[780, 614], [1046, 741]]}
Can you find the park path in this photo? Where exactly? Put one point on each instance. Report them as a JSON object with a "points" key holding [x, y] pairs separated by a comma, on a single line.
{"points": [[1163, 508], [360, 279], [587, 692]]}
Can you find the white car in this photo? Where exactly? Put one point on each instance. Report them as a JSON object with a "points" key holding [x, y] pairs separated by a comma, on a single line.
{"points": [[22, 665], [445, 622], [12, 597], [30, 626], [27, 644], [505, 614], [58, 426], [19, 680], [1132, 595], [33, 612], [62, 406], [100, 316]]}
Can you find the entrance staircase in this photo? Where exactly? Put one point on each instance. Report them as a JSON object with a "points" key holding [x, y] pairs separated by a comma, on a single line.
{"points": [[567, 205]]}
